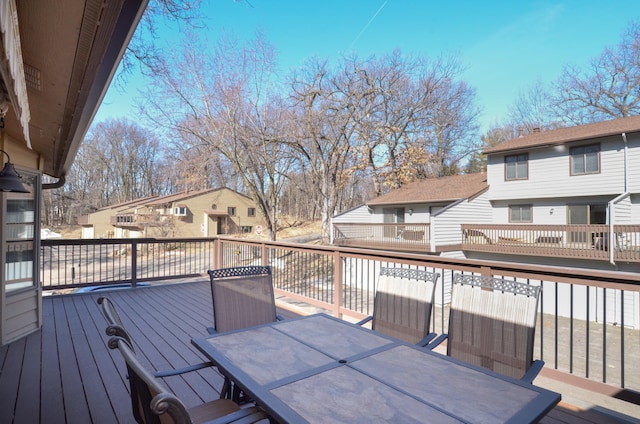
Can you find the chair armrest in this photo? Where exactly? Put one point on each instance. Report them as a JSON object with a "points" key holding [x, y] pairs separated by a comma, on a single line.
{"points": [[533, 371], [437, 341], [183, 370], [426, 339], [364, 321], [243, 416]]}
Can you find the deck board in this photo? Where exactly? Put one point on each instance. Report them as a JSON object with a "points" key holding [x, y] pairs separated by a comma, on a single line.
{"points": [[65, 373]]}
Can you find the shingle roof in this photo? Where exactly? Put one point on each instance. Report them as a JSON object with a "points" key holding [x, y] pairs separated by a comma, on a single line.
{"points": [[172, 198], [565, 135], [432, 190], [129, 203]]}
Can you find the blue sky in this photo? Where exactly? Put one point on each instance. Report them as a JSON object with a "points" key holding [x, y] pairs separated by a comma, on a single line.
{"points": [[505, 46]]}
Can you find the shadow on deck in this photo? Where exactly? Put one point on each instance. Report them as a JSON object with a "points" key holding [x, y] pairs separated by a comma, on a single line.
{"points": [[65, 373]]}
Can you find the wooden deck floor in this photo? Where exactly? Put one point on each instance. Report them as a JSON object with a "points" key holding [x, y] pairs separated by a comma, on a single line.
{"points": [[65, 373]]}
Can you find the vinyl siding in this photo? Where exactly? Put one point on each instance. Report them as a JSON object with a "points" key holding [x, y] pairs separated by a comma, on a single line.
{"points": [[21, 315], [622, 212], [550, 176], [420, 215], [359, 214], [446, 222]]}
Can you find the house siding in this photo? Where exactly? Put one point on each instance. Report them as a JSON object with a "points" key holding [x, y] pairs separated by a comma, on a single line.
{"points": [[550, 173], [446, 223], [359, 214], [196, 222]]}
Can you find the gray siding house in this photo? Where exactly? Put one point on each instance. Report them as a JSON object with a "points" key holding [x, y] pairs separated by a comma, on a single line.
{"points": [[568, 197]]}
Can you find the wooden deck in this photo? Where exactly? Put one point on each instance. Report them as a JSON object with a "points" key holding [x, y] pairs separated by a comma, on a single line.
{"points": [[65, 373]]}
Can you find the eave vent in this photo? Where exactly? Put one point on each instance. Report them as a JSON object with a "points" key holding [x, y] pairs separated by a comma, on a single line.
{"points": [[32, 77]]}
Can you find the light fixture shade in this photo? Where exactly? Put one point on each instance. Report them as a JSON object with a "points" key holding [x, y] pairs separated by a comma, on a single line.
{"points": [[10, 180]]}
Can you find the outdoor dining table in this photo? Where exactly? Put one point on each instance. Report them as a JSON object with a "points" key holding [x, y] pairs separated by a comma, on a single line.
{"points": [[320, 369]]}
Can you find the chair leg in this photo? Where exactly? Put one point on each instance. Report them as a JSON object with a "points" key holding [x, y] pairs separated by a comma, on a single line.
{"points": [[225, 392], [239, 396]]}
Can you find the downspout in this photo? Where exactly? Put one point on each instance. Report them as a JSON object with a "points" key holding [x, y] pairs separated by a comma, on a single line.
{"points": [[57, 184], [618, 199]]}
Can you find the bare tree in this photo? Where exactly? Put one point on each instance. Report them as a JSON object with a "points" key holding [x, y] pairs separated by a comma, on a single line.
{"points": [[326, 113], [606, 89], [421, 120], [221, 101], [143, 52]]}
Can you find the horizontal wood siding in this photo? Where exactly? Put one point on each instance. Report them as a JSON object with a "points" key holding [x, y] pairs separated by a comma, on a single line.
{"points": [[21, 315], [622, 212], [358, 214], [549, 173], [446, 223], [633, 162]]}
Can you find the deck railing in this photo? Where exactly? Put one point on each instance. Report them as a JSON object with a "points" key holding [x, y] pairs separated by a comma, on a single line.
{"points": [[568, 241], [405, 237], [68, 264], [588, 322]]}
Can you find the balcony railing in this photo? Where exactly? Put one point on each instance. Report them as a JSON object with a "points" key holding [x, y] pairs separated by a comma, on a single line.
{"points": [[588, 328], [139, 220], [68, 264], [567, 241], [402, 237]]}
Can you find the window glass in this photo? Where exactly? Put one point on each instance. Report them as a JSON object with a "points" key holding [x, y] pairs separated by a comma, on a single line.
{"points": [[520, 213], [517, 167], [592, 161], [21, 226], [585, 159], [251, 212], [231, 211]]}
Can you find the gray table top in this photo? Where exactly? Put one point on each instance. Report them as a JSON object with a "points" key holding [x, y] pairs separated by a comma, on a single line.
{"points": [[320, 369]]}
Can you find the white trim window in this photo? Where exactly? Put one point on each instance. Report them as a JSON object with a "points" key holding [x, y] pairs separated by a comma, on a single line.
{"points": [[180, 211]]}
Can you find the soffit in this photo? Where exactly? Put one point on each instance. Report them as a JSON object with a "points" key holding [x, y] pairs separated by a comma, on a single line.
{"points": [[70, 50]]}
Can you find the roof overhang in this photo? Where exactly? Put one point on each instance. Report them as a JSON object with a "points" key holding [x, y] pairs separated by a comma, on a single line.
{"points": [[58, 59], [433, 202], [212, 212]]}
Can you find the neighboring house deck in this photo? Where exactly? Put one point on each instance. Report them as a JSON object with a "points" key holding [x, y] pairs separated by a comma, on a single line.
{"points": [[66, 373], [567, 197]]}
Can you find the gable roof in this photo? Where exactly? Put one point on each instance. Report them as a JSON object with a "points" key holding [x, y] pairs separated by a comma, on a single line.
{"points": [[569, 134], [432, 190], [172, 198], [128, 203]]}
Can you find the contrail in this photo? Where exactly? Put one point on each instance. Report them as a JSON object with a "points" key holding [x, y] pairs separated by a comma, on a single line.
{"points": [[367, 25]]}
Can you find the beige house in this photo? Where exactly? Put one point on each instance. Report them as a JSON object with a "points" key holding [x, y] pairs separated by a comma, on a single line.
{"points": [[98, 224], [203, 213]]}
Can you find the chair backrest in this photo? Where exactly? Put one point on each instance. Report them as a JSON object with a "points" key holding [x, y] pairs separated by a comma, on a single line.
{"points": [[492, 323], [242, 297], [403, 301], [150, 399], [115, 325]]}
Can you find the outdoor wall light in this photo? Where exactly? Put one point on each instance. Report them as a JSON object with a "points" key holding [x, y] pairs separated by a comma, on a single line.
{"points": [[551, 211], [410, 211], [9, 178]]}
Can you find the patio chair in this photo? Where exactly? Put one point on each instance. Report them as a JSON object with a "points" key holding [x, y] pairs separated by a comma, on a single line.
{"points": [[242, 297], [492, 324], [116, 328], [153, 403], [402, 304]]}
